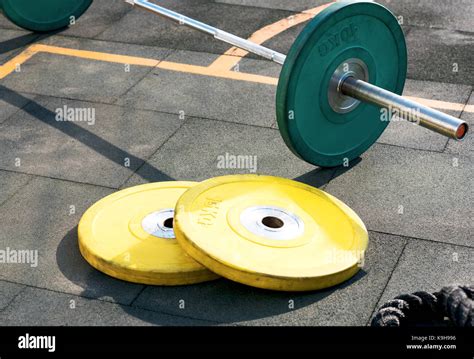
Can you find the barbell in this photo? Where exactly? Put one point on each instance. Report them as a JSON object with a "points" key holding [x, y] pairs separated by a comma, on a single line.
{"points": [[340, 83]]}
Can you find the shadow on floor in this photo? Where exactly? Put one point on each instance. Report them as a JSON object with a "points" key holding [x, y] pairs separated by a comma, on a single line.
{"points": [[86, 137], [220, 301], [319, 177], [17, 42]]}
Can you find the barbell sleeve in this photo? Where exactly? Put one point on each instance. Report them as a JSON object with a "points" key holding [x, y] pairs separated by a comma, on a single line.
{"points": [[424, 116], [409, 110]]}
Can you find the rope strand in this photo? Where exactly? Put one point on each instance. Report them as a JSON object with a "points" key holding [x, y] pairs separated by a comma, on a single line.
{"points": [[454, 302]]}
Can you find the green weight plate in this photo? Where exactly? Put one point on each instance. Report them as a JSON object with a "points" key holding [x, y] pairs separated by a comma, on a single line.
{"points": [[44, 15], [344, 31]]}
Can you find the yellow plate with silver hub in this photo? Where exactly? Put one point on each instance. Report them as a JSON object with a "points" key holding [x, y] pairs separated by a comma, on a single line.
{"points": [[270, 232], [129, 235]]}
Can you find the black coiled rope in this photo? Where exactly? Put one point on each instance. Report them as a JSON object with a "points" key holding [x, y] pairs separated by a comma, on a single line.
{"points": [[456, 303]]}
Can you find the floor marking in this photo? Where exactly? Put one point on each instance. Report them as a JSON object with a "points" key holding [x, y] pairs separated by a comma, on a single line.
{"points": [[469, 108], [15, 64], [232, 57], [98, 56], [19, 60], [208, 71], [448, 106]]}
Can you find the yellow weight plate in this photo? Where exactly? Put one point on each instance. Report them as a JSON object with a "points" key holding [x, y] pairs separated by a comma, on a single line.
{"points": [[129, 235], [270, 232]]}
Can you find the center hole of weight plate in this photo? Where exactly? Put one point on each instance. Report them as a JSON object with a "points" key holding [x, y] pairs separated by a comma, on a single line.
{"points": [[339, 102], [168, 223], [272, 222], [160, 223]]}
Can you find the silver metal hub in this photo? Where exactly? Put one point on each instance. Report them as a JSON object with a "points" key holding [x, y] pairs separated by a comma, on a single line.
{"points": [[339, 102], [272, 223], [160, 224]]}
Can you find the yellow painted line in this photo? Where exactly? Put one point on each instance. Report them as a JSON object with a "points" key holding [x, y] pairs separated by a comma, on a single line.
{"points": [[440, 105], [232, 57], [207, 71], [10, 66], [98, 56], [469, 108]]}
